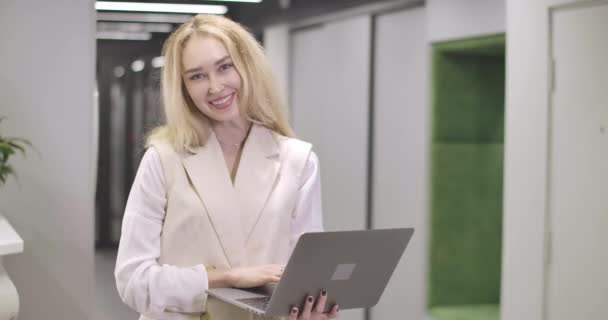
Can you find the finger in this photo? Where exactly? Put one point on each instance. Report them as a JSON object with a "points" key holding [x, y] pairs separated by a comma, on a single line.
{"points": [[273, 279], [281, 270], [293, 314], [307, 307], [320, 306], [276, 270], [272, 276], [334, 313]]}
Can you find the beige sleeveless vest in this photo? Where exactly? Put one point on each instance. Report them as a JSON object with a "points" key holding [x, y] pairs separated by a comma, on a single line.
{"points": [[210, 221]]}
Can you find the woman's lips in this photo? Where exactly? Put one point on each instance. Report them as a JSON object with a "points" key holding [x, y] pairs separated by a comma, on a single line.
{"points": [[222, 103]]}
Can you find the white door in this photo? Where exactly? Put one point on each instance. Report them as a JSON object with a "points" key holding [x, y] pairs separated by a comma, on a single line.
{"points": [[330, 108], [577, 285]]}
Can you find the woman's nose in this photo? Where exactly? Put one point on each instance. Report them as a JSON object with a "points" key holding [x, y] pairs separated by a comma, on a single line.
{"points": [[215, 86]]}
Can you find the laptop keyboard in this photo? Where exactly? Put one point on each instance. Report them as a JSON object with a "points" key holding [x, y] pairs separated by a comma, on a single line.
{"points": [[260, 303]]}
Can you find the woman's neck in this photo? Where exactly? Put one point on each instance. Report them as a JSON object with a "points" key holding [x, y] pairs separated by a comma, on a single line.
{"points": [[231, 132]]}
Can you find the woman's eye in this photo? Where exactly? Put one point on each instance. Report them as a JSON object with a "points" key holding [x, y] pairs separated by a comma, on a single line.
{"points": [[226, 66], [197, 76]]}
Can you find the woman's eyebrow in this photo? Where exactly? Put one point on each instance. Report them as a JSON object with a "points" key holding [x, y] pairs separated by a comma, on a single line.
{"points": [[198, 69], [193, 70], [222, 60]]}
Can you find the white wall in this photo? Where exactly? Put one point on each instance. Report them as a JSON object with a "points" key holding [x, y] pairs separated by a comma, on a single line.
{"points": [[276, 43], [401, 154], [47, 58], [330, 109], [330, 83], [330, 90], [526, 129], [458, 19]]}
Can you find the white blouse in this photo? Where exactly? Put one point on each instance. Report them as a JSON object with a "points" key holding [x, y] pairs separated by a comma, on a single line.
{"points": [[141, 281]]}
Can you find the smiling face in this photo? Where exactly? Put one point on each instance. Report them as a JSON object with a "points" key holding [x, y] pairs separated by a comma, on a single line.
{"points": [[211, 79]]}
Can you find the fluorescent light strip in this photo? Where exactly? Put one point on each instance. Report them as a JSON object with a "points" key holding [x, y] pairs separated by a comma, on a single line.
{"points": [[134, 27], [118, 35], [160, 7], [251, 1], [143, 17]]}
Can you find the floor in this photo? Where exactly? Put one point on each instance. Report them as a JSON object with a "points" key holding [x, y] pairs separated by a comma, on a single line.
{"points": [[107, 302]]}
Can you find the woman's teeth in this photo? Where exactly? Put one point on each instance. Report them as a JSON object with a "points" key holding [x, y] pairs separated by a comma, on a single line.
{"points": [[220, 102]]}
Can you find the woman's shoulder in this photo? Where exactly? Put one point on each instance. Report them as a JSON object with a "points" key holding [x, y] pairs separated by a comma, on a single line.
{"points": [[150, 164], [298, 152], [165, 150], [289, 144], [165, 157], [161, 147], [151, 156]]}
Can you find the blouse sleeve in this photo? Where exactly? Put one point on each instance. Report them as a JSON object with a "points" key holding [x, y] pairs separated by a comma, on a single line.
{"points": [[142, 283], [307, 216]]}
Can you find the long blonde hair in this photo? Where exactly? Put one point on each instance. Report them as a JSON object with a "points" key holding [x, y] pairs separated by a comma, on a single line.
{"points": [[259, 98]]}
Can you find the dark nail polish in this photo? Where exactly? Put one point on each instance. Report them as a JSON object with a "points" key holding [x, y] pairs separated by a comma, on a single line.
{"points": [[337, 309], [324, 293], [309, 299], [294, 310]]}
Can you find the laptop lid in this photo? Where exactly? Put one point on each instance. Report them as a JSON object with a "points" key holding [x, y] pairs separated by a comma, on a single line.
{"points": [[354, 267]]}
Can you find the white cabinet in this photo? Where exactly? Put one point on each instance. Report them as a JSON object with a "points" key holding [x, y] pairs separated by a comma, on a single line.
{"points": [[10, 243]]}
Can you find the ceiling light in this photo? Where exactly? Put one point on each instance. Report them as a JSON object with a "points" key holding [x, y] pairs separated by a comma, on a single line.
{"points": [[138, 65], [119, 35], [158, 62], [160, 7], [252, 1], [134, 27], [119, 71], [143, 17]]}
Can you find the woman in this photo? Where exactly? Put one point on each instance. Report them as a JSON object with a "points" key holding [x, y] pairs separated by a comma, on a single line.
{"points": [[223, 191]]}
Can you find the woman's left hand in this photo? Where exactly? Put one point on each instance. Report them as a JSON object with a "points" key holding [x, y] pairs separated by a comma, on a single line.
{"points": [[314, 311]]}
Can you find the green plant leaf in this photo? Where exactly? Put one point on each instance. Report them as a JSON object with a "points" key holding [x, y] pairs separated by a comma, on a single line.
{"points": [[6, 149], [20, 140], [6, 171], [20, 144], [17, 146]]}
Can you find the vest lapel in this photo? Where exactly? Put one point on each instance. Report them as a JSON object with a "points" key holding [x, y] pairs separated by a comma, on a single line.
{"points": [[207, 170], [256, 175]]}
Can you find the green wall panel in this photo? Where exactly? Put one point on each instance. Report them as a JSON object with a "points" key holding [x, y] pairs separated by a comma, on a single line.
{"points": [[466, 223], [469, 104], [467, 171]]}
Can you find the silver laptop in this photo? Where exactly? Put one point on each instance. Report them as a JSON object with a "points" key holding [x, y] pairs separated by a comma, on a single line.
{"points": [[353, 267]]}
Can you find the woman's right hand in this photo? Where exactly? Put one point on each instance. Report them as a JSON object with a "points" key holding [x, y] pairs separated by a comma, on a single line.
{"points": [[249, 277]]}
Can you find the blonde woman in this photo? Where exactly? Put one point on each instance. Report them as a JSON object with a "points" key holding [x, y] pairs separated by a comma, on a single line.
{"points": [[224, 190]]}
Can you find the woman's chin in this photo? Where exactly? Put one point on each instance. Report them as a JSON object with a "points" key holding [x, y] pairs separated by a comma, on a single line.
{"points": [[223, 115]]}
